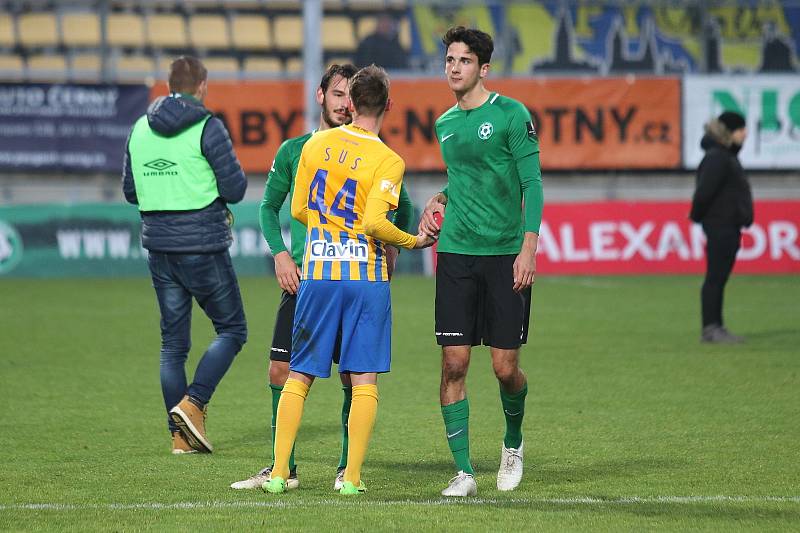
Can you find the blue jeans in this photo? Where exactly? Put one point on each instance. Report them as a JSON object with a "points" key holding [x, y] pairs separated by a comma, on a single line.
{"points": [[210, 279]]}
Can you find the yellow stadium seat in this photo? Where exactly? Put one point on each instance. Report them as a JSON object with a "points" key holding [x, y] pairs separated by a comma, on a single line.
{"points": [[47, 66], [294, 65], [404, 33], [7, 31], [80, 29], [288, 32], [86, 62], [263, 65], [221, 67], [251, 32], [166, 31], [11, 66], [338, 34], [339, 60], [135, 64], [366, 26], [209, 31], [125, 29], [38, 29]]}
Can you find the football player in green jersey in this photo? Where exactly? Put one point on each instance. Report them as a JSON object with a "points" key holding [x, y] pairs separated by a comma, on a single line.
{"points": [[492, 208], [332, 96]]}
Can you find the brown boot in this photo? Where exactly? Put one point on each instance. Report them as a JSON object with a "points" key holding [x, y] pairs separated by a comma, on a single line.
{"points": [[179, 444], [191, 420]]}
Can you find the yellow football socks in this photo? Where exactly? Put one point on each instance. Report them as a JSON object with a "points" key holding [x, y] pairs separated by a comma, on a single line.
{"points": [[290, 411], [363, 409]]}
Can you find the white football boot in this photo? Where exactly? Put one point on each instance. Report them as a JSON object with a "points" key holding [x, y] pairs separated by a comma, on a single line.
{"points": [[510, 473], [462, 485], [338, 483], [255, 482]]}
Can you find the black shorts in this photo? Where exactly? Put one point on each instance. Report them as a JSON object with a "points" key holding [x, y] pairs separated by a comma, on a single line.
{"points": [[476, 303], [281, 349]]}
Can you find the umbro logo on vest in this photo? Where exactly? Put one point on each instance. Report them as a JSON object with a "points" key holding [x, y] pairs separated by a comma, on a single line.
{"points": [[160, 164]]}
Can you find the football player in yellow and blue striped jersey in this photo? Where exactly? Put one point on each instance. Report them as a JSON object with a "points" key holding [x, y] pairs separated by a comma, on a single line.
{"points": [[347, 181]]}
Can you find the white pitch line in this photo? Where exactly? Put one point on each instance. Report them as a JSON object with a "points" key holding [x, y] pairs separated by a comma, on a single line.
{"points": [[288, 504]]}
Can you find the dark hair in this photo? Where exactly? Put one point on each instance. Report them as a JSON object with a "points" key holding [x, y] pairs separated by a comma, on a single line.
{"points": [[479, 42], [186, 74], [346, 71], [369, 90], [732, 120]]}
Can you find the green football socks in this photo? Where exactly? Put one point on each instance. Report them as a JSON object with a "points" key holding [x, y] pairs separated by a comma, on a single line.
{"points": [[456, 423], [276, 397], [514, 411], [348, 400]]}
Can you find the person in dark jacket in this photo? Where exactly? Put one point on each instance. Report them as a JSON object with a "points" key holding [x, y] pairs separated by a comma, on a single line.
{"points": [[723, 204], [182, 172]]}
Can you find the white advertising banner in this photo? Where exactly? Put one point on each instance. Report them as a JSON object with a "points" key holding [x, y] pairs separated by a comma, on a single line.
{"points": [[771, 105]]}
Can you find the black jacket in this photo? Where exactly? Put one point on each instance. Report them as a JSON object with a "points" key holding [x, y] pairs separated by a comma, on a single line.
{"points": [[203, 230], [722, 196]]}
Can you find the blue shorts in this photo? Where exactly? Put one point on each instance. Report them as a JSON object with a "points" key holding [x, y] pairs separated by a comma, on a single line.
{"points": [[360, 310]]}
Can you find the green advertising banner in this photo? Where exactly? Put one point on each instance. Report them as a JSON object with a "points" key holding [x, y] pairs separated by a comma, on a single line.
{"points": [[103, 240]]}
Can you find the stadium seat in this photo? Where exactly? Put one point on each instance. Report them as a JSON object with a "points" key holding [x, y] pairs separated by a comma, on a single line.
{"points": [[288, 32], [134, 65], [251, 32], [166, 31], [51, 67], [222, 67], [338, 34], [80, 29], [38, 29], [263, 65], [86, 65], [209, 31], [339, 60], [365, 26], [124, 29], [11, 66], [7, 37], [404, 32], [294, 65]]}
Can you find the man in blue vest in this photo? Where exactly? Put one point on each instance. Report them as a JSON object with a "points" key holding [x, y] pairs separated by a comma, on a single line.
{"points": [[181, 170]]}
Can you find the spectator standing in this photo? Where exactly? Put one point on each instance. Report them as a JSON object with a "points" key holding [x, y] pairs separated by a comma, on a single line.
{"points": [[723, 204]]}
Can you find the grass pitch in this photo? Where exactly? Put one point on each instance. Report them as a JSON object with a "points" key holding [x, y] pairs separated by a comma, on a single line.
{"points": [[631, 423]]}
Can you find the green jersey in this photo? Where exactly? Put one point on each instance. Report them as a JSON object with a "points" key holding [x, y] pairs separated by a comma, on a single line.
{"points": [[280, 183], [492, 158]]}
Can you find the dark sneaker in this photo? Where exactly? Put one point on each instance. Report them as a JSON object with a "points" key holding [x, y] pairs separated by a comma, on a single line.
{"points": [[717, 334], [191, 420]]}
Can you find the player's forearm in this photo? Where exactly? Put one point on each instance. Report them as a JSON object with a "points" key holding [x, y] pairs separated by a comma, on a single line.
{"points": [[377, 226], [530, 173], [270, 223]]}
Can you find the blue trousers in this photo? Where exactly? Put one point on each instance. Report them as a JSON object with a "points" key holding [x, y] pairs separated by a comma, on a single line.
{"points": [[209, 279]]}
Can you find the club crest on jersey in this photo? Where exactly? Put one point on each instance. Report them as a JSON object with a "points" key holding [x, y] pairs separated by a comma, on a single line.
{"points": [[349, 250], [485, 130]]}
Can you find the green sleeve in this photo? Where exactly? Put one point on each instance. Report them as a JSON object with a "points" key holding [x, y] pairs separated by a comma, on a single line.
{"points": [[524, 145], [530, 176], [405, 211], [522, 138], [278, 184]]}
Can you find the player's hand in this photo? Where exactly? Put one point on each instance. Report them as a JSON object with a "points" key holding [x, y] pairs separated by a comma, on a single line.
{"points": [[391, 259], [287, 273], [428, 223], [424, 240], [525, 263]]}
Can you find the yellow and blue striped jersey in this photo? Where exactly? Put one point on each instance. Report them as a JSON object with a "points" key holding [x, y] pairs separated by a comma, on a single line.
{"points": [[339, 170]]}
